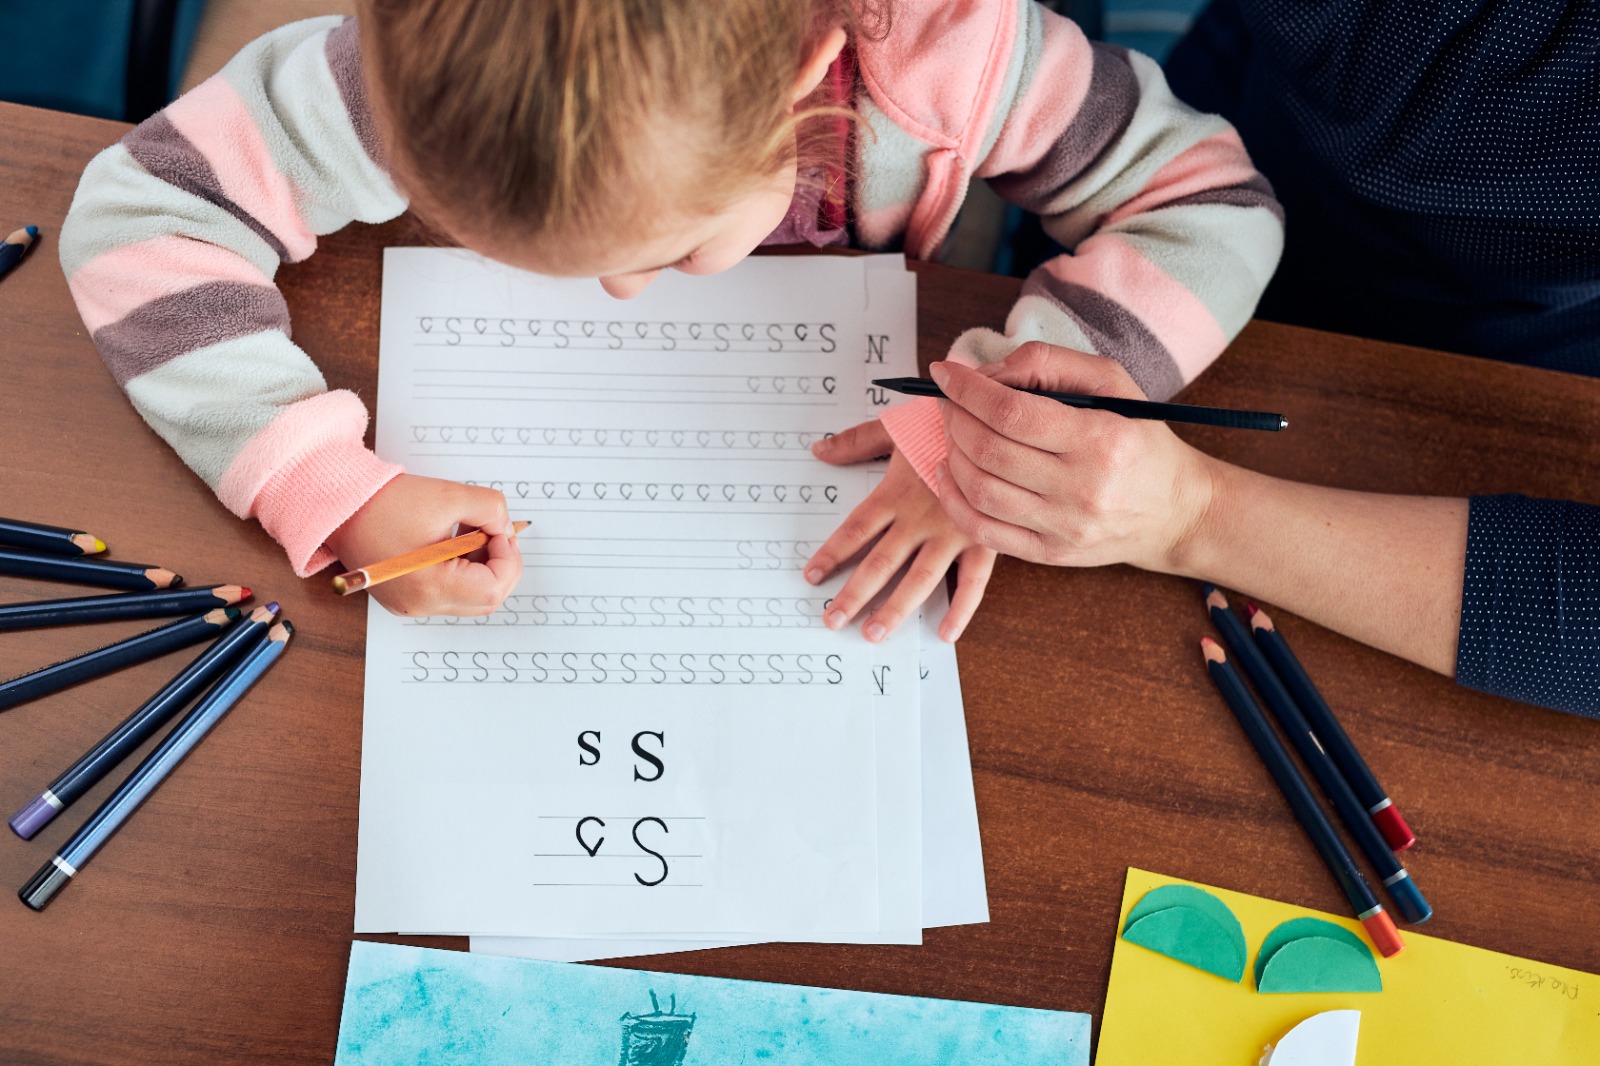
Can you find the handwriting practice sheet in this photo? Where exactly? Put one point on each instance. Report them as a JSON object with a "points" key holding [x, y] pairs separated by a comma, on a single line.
{"points": [[953, 887], [656, 736]]}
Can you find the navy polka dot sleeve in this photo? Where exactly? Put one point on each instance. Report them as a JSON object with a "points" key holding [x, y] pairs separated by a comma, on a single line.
{"points": [[1530, 608]]}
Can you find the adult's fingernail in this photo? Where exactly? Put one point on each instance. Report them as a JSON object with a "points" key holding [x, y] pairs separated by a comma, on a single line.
{"points": [[938, 372], [876, 631], [814, 575], [834, 619]]}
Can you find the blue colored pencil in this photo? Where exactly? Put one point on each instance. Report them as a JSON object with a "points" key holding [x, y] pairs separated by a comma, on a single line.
{"points": [[135, 649], [141, 725], [164, 603], [101, 573], [56, 540], [1369, 912], [189, 731], [1407, 897], [14, 247]]}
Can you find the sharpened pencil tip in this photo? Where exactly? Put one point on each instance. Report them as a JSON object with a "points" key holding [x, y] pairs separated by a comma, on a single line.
{"points": [[99, 546], [273, 606], [32, 231]]}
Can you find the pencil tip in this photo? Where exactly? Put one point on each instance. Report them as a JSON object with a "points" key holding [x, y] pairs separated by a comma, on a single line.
{"points": [[99, 546], [1250, 609], [32, 231]]}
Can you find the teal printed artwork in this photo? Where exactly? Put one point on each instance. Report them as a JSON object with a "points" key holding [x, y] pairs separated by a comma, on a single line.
{"points": [[425, 1007], [657, 1038]]}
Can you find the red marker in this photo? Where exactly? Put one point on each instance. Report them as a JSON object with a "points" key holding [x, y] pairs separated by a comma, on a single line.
{"points": [[1380, 808]]}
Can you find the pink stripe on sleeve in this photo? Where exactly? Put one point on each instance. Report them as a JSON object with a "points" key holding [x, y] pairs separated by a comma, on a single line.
{"points": [[305, 474], [109, 286], [1048, 104], [1216, 162], [1175, 316], [215, 119]]}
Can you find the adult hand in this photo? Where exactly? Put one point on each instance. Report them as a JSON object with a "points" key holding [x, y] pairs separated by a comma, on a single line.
{"points": [[410, 512], [1033, 478]]}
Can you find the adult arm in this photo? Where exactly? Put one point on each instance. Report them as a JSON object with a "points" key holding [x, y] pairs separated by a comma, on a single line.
{"points": [[1502, 592]]}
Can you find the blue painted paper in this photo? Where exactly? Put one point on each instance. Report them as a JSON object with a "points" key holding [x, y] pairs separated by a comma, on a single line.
{"points": [[423, 1006]]}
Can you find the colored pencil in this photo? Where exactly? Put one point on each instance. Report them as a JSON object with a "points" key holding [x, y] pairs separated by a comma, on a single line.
{"points": [[52, 539], [164, 603], [155, 768], [412, 561], [104, 573], [1380, 927], [1408, 899], [142, 724], [1148, 409], [137, 649], [1380, 808], [14, 247]]}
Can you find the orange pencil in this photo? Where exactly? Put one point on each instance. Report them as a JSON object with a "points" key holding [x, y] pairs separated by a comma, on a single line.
{"points": [[412, 561]]}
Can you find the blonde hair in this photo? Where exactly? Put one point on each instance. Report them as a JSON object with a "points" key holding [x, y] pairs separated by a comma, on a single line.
{"points": [[557, 123]]}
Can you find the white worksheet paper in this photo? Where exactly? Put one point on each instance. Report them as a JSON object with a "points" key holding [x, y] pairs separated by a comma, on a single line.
{"points": [[953, 887], [656, 736]]}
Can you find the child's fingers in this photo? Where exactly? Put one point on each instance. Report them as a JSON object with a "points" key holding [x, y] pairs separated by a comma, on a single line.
{"points": [[869, 519], [870, 576], [929, 568], [993, 496], [973, 567], [857, 444], [483, 508], [1002, 537]]}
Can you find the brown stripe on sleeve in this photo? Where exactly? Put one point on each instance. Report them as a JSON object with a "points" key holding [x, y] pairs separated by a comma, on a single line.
{"points": [[1257, 192], [157, 332], [1115, 332], [344, 60], [1107, 109], [167, 154]]}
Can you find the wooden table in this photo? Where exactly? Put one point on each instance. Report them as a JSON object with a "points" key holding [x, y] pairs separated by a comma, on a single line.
{"points": [[216, 925]]}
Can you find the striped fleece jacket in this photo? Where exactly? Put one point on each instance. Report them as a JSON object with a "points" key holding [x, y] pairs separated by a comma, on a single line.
{"points": [[177, 230]]}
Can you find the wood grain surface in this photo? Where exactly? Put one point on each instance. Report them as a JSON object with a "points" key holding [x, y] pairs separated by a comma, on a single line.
{"points": [[215, 927]]}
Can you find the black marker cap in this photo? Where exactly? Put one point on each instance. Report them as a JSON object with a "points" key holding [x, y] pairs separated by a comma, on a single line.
{"points": [[43, 886]]}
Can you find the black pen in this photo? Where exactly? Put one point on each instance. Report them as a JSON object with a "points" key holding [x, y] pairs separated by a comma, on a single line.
{"points": [[1149, 409]]}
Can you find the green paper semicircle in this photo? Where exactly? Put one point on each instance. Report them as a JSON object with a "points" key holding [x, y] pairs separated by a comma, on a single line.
{"points": [[1188, 896], [1294, 929], [1320, 964], [1191, 936]]}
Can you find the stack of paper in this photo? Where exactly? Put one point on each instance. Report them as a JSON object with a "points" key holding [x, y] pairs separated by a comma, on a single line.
{"points": [[656, 743]]}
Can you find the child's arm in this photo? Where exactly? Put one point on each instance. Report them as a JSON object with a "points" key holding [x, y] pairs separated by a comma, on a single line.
{"points": [[1171, 234], [170, 250]]}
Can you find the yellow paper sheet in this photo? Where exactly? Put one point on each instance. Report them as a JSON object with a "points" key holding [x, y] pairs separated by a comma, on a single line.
{"points": [[1441, 1002]]}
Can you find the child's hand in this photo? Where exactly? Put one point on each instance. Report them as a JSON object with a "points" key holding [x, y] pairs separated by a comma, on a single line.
{"points": [[906, 520], [410, 512]]}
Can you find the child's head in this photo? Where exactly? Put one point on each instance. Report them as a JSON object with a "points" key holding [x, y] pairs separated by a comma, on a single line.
{"points": [[604, 138]]}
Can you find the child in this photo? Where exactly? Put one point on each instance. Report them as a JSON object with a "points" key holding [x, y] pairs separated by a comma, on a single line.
{"points": [[614, 139]]}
